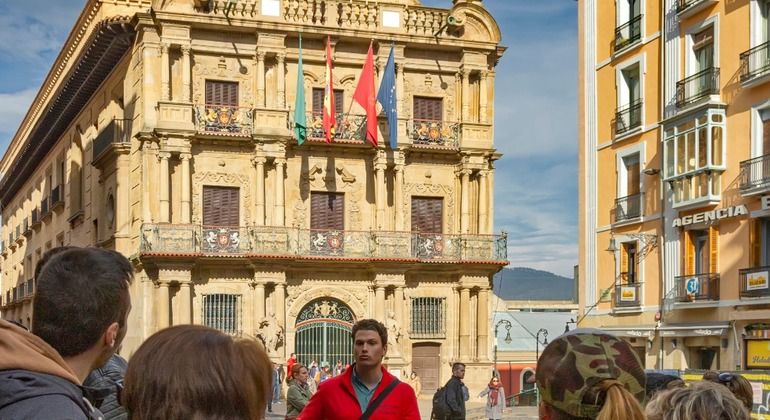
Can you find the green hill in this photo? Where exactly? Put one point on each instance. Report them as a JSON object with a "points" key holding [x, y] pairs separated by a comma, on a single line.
{"points": [[521, 283]]}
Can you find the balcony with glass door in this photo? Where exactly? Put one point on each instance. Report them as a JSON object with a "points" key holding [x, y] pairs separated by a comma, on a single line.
{"points": [[686, 8], [755, 65], [628, 117], [700, 85], [755, 176], [697, 287], [628, 33], [628, 208], [754, 282], [627, 293]]}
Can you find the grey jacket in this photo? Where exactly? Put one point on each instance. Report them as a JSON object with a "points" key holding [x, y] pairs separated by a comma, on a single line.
{"points": [[494, 412], [31, 395], [105, 381]]}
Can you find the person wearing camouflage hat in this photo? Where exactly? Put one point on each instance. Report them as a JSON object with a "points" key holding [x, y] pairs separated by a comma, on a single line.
{"points": [[589, 374]]}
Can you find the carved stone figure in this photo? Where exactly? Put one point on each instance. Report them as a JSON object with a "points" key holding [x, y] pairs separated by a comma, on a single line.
{"points": [[270, 332], [395, 334]]}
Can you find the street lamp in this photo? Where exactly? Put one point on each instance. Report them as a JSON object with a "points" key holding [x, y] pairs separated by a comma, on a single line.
{"points": [[544, 332], [507, 340]]}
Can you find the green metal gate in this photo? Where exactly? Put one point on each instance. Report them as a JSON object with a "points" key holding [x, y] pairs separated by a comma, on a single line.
{"points": [[323, 332]]}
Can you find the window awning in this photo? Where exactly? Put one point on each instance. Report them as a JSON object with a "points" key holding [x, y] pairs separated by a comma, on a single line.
{"points": [[705, 329]]}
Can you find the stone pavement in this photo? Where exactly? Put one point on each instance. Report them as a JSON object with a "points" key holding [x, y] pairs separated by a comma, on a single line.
{"points": [[475, 410]]}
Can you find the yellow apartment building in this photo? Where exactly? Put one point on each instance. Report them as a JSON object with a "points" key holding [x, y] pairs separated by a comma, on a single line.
{"points": [[703, 291], [164, 130]]}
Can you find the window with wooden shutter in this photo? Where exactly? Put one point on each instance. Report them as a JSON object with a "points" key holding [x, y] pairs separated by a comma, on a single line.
{"points": [[318, 101], [628, 261], [427, 214], [327, 211], [221, 93], [221, 206], [428, 109], [713, 240], [755, 242], [689, 253]]}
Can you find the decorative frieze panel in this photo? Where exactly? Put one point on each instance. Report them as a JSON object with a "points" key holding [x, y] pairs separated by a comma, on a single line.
{"points": [[300, 295]]}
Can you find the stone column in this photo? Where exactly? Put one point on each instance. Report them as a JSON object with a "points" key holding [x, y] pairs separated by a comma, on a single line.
{"points": [[399, 305], [279, 303], [465, 326], [259, 164], [458, 97], [482, 323], [397, 196], [281, 80], [278, 214], [185, 216], [483, 209], [400, 88], [483, 98], [261, 79], [165, 90], [464, 200], [185, 304], [164, 187], [466, 95], [186, 91], [379, 302], [163, 305], [380, 188], [146, 159], [259, 301], [149, 88]]}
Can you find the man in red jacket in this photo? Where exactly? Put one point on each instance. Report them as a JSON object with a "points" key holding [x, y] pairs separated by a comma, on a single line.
{"points": [[357, 391]]}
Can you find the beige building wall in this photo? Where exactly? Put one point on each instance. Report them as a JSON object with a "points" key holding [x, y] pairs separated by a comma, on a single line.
{"points": [[128, 168]]}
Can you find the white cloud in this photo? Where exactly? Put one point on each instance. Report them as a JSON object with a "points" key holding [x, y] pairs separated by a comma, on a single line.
{"points": [[26, 36], [13, 107]]}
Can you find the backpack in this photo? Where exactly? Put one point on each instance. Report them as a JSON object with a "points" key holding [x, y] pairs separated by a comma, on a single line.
{"points": [[440, 407]]}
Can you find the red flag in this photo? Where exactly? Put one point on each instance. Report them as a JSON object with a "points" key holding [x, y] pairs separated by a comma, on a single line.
{"points": [[329, 119], [365, 96]]}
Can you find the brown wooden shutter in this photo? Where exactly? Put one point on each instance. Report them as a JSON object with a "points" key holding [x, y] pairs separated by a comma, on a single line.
{"points": [[221, 93], [318, 100], [427, 214], [632, 175], [221, 206], [428, 109], [339, 101], [755, 243], [713, 249], [766, 137], [327, 210], [689, 253]]}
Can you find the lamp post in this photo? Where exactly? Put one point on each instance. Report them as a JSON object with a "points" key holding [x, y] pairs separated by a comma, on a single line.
{"points": [[544, 333], [507, 340]]}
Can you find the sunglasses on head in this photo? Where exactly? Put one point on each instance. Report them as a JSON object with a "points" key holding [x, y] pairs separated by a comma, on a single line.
{"points": [[725, 377]]}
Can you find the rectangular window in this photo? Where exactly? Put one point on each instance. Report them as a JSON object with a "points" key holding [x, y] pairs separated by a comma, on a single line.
{"points": [[427, 317], [632, 169], [221, 206], [703, 48], [427, 214], [629, 111], [628, 262], [701, 251], [222, 312], [327, 211], [318, 101], [221, 93], [430, 109]]}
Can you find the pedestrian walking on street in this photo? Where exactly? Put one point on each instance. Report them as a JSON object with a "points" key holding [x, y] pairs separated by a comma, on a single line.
{"points": [[366, 390], [79, 317], [456, 394], [589, 374], [414, 380], [495, 399], [299, 393], [105, 383], [197, 372], [289, 364]]}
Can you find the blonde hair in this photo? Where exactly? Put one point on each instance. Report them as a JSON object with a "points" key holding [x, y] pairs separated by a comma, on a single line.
{"points": [[617, 402], [701, 400]]}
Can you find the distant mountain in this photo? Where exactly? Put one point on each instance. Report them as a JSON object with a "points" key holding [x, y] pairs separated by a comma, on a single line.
{"points": [[521, 283]]}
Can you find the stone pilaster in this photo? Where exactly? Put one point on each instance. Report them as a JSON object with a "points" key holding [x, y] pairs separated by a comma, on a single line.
{"points": [[483, 98], [465, 213], [483, 202], [280, 207], [259, 165], [465, 323], [186, 188], [165, 89], [186, 90], [164, 187], [281, 58], [398, 186], [261, 79], [482, 322], [466, 74], [163, 304]]}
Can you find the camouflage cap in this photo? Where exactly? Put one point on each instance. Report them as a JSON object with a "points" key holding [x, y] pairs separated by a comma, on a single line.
{"points": [[575, 362]]}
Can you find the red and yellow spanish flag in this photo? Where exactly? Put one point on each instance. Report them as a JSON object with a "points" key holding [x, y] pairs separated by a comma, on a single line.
{"points": [[329, 119]]}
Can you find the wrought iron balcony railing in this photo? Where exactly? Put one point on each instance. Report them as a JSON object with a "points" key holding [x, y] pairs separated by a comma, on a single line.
{"points": [[704, 286], [628, 207], [57, 198], [628, 33], [290, 241], [682, 5], [117, 131], [628, 117], [44, 207], [627, 294], [755, 62], [224, 119], [754, 281], [350, 127], [435, 133], [755, 174], [698, 86]]}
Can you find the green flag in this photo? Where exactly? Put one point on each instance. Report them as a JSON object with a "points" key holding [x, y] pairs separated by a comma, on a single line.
{"points": [[300, 118]]}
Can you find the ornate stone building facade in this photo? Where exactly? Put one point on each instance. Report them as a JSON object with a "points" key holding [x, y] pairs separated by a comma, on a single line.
{"points": [[164, 132]]}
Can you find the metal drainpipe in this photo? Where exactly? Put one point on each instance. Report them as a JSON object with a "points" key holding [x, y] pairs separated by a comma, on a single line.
{"points": [[661, 184]]}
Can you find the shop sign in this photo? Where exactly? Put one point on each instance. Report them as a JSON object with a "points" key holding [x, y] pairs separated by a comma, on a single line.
{"points": [[628, 294], [692, 285], [758, 354], [757, 281], [711, 216]]}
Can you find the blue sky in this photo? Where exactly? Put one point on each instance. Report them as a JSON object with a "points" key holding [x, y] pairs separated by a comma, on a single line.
{"points": [[536, 112]]}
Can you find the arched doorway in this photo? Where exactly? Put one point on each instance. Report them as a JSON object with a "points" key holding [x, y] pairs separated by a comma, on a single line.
{"points": [[323, 332]]}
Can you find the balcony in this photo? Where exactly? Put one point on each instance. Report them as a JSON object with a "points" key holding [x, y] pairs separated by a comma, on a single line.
{"points": [[628, 33], [118, 131], [26, 227], [435, 133], [627, 295], [57, 201], [755, 175], [44, 210], [350, 128], [755, 64], [688, 7], [628, 208], [628, 117], [223, 120], [698, 86], [697, 287], [268, 241], [754, 282], [36, 218]]}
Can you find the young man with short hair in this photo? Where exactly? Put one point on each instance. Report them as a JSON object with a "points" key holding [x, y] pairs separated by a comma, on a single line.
{"points": [[80, 313], [359, 389], [456, 393]]}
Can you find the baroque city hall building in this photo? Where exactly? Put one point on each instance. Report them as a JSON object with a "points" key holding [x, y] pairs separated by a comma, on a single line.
{"points": [[674, 179], [165, 131]]}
